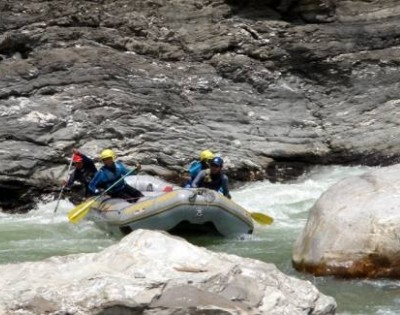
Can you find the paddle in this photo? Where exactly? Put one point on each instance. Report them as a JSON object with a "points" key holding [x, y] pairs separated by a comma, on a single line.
{"points": [[81, 210], [261, 218], [62, 189]]}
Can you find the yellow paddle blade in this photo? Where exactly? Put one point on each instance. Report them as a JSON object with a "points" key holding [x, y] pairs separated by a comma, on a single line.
{"points": [[261, 218], [80, 211]]}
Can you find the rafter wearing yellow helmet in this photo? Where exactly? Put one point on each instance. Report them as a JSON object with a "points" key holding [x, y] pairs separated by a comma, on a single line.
{"points": [[110, 174], [206, 155], [197, 165], [107, 153]]}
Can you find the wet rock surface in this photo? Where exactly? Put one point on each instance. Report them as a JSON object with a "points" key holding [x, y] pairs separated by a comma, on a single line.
{"points": [[353, 229], [273, 86]]}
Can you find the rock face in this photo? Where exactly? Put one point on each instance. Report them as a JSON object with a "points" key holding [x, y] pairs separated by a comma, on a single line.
{"points": [[353, 229], [154, 273], [273, 86]]}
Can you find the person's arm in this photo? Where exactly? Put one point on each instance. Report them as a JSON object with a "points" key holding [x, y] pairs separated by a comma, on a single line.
{"points": [[124, 170], [198, 179], [97, 179], [71, 179], [225, 186]]}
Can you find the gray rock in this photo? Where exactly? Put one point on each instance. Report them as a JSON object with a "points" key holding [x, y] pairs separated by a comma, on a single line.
{"points": [[153, 273], [352, 230]]}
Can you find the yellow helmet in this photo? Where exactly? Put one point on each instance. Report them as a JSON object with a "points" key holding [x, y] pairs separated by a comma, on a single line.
{"points": [[206, 155], [107, 153]]}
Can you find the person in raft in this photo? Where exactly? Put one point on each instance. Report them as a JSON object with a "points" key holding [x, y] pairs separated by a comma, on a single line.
{"points": [[198, 165], [213, 178], [109, 174], [83, 172]]}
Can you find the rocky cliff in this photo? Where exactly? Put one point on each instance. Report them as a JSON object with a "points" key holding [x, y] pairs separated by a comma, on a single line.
{"points": [[273, 86]]}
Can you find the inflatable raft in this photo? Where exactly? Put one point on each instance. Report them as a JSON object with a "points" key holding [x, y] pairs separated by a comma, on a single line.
{"points": [[180, 211], [150, 183]]}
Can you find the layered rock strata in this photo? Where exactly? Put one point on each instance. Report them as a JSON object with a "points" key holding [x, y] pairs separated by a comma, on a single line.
{"points": [[273, 86]]}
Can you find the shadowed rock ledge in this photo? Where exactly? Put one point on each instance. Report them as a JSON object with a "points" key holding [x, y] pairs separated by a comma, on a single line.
{"points": [[273, 86]]}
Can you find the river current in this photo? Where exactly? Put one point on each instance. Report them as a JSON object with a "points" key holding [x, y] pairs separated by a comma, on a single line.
{"points": [[41, 233]]}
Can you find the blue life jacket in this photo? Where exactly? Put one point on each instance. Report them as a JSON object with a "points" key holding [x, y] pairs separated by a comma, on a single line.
{"points": [[106, 177], [194, 168]]}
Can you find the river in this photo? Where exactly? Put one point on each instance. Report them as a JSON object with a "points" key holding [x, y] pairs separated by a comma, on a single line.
{"points": [[41, 233]]}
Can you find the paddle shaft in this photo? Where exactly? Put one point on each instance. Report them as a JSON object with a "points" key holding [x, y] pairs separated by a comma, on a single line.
{"points": [[62, 188]]}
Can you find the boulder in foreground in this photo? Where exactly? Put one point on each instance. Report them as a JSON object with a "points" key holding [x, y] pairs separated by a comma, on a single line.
{"points": [[150, 272]]}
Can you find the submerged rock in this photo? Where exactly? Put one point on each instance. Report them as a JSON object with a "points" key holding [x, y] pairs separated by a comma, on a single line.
{"points": [[353, 229], [151, 272]]}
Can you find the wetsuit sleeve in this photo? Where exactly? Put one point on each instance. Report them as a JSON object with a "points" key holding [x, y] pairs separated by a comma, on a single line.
{"points": [[124, 170], [88, 162], [97, 179], [225, 186], [71, 179], [198, 179]]}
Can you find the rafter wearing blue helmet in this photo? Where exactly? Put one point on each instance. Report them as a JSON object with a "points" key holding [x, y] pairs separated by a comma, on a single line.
{"points": [[213, 178]]}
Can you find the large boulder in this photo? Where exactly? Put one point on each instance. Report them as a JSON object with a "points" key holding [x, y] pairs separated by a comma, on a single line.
{"points": [[353, 230], [153, 273]]}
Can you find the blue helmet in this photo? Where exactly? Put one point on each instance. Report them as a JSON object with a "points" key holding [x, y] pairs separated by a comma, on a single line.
{"points": [[217, 161]]}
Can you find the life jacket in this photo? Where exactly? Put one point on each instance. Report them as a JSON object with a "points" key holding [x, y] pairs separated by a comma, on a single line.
{"points": [[194, 168], [212, 181], [112, 175]]}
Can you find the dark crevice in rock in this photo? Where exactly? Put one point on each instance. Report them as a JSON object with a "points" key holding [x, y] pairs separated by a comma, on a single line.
{"points": [[16, 196], [122, 310], [16, 45], [255, 9], [13, 93], [320, 72], [374, 159], [286, 171], [294, 11]]}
